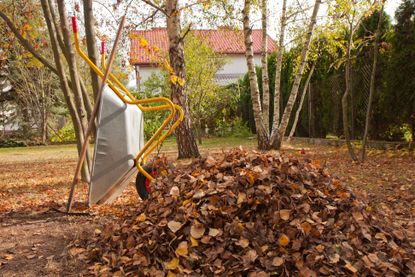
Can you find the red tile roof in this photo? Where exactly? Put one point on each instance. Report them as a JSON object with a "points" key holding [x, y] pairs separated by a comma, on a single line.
{"points": [[224, 41]]}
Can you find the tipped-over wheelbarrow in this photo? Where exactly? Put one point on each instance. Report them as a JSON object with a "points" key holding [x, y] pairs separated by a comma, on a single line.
{"points": [[120, 149]]}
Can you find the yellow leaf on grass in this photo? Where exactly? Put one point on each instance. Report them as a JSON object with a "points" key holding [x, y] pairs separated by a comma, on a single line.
{"points": [[170, 274], [173, 264], [284, 240]]}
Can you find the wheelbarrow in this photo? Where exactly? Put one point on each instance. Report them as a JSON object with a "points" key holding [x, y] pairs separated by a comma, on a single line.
{"points": [[120, 151]]}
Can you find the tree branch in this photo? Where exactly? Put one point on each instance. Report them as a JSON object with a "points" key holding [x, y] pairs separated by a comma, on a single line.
{"points": [[148, 2], [26, 44]]}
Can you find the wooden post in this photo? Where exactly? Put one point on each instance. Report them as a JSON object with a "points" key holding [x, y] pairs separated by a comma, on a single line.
{"points": [[93, 115]]}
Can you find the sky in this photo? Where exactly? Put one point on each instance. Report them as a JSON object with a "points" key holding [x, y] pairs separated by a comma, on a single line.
{"points": [[391, 6]]}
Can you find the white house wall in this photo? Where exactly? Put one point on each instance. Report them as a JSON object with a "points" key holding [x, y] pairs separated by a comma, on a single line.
{"points": [[234, 69]]}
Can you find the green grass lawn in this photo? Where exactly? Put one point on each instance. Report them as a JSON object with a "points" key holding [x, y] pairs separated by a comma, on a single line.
{"points": [[68, 151]]}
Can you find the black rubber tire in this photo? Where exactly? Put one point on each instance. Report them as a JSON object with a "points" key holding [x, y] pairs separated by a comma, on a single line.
{"points": [[140, 183]]}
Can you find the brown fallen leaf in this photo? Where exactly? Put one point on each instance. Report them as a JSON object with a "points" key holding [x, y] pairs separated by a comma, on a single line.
{"points": [[243, 242], [335, 258], [350, 267], [197, 230], [174, 226], [285, 214], [250, 256], [213, 232], [277, 261]]}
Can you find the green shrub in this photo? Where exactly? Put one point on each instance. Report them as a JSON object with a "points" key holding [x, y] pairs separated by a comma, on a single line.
{"points": [[236, 128], [66, 134], [11, 143]]}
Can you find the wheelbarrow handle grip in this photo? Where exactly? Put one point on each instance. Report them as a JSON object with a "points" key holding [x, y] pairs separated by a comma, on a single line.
{"points": [[102, 47], [74, 25]]}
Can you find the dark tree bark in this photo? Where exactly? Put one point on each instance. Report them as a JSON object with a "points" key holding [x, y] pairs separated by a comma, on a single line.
{"points": [[91, 42], [345, 106], [185, 137], [64, 83], [372, 85]]}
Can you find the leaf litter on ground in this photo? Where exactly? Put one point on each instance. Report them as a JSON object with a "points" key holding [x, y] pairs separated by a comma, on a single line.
{"points": [[251, 213]]}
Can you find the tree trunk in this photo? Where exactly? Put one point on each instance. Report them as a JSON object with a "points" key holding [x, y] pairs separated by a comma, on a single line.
{"points": [[278, 68], [297, 114], [345, 106], [91, 42], [73, 72], [372, 85], [64, 83], [411, 144], [264, 66], [310, 112], [278, 134], [263, 138], [185, 136]]}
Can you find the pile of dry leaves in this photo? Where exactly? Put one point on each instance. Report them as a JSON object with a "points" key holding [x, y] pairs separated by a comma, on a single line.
{"points": [[251, 212]]}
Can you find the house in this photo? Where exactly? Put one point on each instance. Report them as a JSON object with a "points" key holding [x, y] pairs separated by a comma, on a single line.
{"points": [[225, 41]]}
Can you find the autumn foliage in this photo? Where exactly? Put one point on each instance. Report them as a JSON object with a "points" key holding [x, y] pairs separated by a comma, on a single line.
{"points": [[248, 212]]}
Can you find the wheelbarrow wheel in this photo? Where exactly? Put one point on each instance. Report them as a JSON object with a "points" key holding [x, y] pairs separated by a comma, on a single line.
{"points": [[142, 184]]}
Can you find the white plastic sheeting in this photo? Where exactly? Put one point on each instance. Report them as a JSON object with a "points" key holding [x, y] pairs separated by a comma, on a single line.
{"points": [[120, 136]]}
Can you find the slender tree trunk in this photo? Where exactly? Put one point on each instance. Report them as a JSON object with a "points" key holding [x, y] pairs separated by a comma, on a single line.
{"points": [[75, 78], [345, 106], [310, 112], [91, 42], [278, 69], [278, 135], [263, 138], [264, 66], [297, 114], [185, 136], [352, 106], [372, 85], [64, 84], [411, 144]]}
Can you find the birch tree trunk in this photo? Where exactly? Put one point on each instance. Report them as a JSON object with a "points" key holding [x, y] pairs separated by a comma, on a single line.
{"points": [[278, 68], [345, 106], [277, 136], [263, 138], [372, 85], [264, 66], [297, 114], [185, 137]]}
